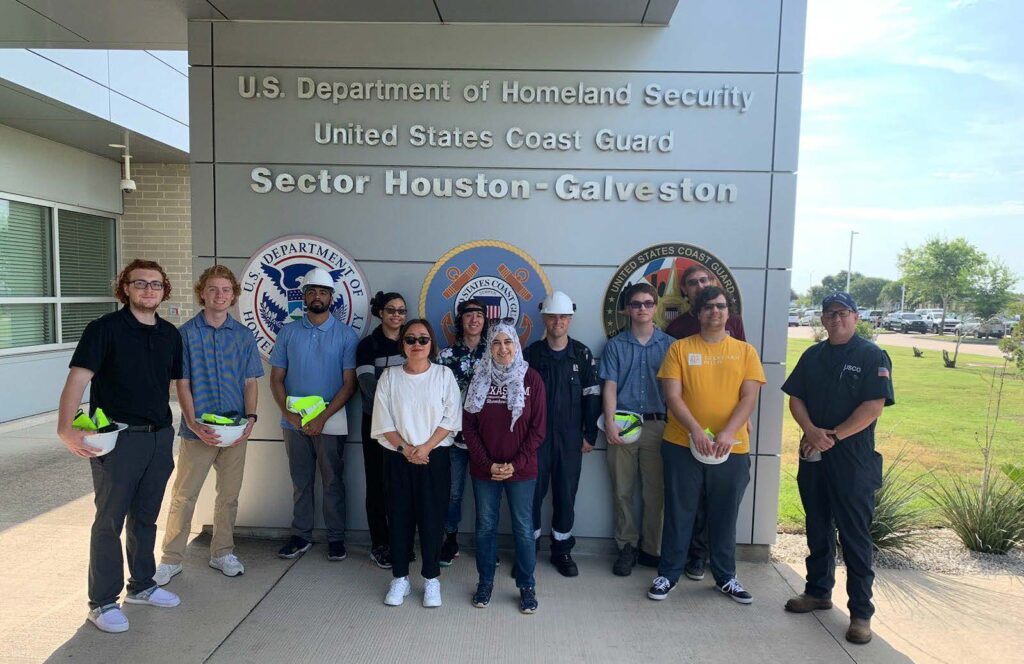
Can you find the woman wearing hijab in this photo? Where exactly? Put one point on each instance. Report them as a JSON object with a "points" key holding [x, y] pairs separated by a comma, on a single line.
{"points": [[503, 424], [378, 351], [415, 413]]}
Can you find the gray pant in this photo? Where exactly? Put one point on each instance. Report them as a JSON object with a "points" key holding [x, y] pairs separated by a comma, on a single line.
{"points": [[305, 453], [129, 482], [723, 486]]}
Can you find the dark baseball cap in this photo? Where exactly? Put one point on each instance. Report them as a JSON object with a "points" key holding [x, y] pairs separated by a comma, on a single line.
{"points": [[842, 298]]}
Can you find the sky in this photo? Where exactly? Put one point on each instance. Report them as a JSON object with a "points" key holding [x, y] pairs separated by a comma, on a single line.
{"points": [[912, 126]]}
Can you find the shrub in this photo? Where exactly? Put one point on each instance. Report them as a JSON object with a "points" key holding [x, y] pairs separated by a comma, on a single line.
{"points": [[986, 516], [818, 330], [867, 330], [896, 526]]}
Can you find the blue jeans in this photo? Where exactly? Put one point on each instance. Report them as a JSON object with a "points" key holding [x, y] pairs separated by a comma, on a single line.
{"points": [[459, 460], [520, 507]]}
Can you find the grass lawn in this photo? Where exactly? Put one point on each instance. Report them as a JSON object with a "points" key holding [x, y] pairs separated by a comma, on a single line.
{"points": [[939, 418]]}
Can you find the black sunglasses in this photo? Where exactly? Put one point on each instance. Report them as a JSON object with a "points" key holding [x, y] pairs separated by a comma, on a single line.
{"points": [[507, 320], [412, 341], [400, 311]]}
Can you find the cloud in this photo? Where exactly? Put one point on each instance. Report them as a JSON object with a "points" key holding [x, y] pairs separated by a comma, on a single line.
{"points": [[998, 72], [921, 214], [842, 29]]}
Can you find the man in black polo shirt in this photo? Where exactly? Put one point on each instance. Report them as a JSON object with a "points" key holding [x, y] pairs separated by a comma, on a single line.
{"points": [[836, 393], [129, 357]]}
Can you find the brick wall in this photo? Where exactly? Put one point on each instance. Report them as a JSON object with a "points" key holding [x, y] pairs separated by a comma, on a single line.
{"points": [[156, 225]]}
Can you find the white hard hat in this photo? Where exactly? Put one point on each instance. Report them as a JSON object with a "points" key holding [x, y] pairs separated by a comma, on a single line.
{"points": [[317, 277], [557, 303]]}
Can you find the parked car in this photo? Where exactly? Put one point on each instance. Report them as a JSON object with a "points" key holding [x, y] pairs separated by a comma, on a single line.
{"points": [[935, 320], [810, 316], [794, 317], [1011, 324], [875, 317], [968, 325], [993, 327], [891, 321], [906, 322]]}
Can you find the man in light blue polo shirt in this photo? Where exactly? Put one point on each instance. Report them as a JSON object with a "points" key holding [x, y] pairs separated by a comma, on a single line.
{"points": [[315, 356], [629, 369]]}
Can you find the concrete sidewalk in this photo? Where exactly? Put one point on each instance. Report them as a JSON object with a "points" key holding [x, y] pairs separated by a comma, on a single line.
{"points": [[312, 610]]}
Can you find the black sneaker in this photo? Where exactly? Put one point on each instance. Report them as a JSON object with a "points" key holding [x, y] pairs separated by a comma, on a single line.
{"points": [[336, 551], [482, 596], [449, 549], [381, 556], [694, 570], [660, 588], [565, 565], [295, 547], [647, 560], [527, 600], [733, 589], [625, 562]]}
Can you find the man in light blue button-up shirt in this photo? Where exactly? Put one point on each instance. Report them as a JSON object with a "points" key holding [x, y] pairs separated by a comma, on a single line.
{"points": [[315, 356], [629, 369]]}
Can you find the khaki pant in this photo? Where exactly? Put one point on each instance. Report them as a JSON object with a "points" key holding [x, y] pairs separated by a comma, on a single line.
{"points": [[623, 463], [194, 460]]}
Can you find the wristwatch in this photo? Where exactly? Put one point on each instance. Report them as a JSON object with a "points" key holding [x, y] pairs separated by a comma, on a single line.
{"points": [[252, 416], [834, 437]]}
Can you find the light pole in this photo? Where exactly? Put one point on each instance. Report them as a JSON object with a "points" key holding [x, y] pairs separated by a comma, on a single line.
{"points": [[849, 265]]}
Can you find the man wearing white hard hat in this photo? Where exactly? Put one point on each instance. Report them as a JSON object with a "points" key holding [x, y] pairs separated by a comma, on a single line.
{"points": [[711, 382], [573, 391], [315, 356]]}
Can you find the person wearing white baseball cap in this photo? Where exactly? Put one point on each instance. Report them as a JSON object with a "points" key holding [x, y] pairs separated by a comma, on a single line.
{"points": [[573, 391], [315, 356]]}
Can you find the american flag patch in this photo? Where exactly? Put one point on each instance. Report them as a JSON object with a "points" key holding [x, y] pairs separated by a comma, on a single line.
{"points": [[883, 372]]}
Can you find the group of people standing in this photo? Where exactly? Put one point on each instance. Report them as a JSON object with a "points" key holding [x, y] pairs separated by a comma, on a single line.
{"points": [[517, 420]]}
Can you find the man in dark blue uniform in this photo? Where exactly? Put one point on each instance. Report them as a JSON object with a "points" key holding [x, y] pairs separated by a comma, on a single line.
{"points": [[837, 391], [574, 402]]}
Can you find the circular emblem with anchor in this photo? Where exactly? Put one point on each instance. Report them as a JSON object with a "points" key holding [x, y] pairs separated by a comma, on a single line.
{"points": [[507, 281], [272, 286], [662, 266]]}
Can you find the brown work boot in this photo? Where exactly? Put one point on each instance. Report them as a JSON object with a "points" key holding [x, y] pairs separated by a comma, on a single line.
{"points": [[806, 603], [860, 630]]}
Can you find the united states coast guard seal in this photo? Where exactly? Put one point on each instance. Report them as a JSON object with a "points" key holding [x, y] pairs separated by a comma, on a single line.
{"points": [[662, 266], [504, 278], [272, 287]]}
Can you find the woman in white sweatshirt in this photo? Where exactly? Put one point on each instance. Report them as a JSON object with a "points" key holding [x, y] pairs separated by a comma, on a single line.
{"points": [[416, 411]]}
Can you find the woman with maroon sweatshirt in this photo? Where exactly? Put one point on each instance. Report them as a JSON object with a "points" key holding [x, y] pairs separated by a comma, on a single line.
{"points": [[503, 424]]}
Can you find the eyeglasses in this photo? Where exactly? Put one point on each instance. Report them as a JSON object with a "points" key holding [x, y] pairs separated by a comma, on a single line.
{"points": [[637, 306], [841, 314], [507, 320], [699, 281], [395, 311], [412, 341], [711, 306], [141, 284]]}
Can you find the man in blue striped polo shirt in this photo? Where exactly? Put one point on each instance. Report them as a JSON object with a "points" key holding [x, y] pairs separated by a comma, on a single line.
{"points": [[220, 367]]}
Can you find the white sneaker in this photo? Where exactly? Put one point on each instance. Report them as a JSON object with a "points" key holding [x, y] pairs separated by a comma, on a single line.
{"points": [[155, 596], [398, 591], [228, 564], [109, 618], [432, 593], [164, 572]]}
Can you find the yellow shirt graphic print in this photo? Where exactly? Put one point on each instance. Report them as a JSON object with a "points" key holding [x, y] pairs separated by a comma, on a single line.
{"points": [[711, 375]]}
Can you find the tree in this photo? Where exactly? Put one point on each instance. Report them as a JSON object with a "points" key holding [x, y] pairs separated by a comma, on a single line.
{"points": [[865, 290], [941, 270], [991, 291], [891, 295]]}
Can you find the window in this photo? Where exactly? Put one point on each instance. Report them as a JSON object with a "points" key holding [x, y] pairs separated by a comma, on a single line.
{"points": [[56, 269]]}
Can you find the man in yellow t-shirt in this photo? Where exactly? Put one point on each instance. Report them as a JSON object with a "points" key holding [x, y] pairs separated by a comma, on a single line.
{"points": [[711, 382]]}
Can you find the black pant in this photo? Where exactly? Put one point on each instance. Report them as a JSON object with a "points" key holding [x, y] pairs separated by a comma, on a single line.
{"points": [[376, 489], [698, 552], [558, 464], [129, 482], [839, 492], [417, 500]]}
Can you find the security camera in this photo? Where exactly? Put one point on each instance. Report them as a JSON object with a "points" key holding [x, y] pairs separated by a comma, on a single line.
{"points": [[127, 186]]}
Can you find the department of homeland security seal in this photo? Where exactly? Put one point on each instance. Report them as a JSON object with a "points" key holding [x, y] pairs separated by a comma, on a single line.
{"points": [[272, 286], [662, 266], [508, 282]]}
